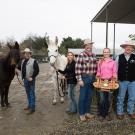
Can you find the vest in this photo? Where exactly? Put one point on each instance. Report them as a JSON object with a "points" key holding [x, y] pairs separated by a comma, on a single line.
{"points": [[29, 67], [126, 69]]}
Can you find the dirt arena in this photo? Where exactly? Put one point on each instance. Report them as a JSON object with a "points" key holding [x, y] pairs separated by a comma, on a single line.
{"points": [[49, 119]]}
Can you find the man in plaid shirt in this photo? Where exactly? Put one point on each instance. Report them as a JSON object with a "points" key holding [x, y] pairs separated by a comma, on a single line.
{"points": [[85, 69]]}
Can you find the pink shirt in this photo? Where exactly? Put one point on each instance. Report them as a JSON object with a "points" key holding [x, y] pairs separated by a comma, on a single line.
{"points": [[107, 69]]}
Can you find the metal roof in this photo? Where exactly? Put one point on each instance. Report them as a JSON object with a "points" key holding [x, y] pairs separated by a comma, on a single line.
{"points": [[119, 11]]}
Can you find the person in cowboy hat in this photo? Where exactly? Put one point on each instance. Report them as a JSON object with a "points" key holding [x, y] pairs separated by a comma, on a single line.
{"points": [[29, 70], [126, 77], [85, 69]]}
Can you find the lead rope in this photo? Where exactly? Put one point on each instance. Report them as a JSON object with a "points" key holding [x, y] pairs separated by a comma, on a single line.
{"points": [[61, 85], [20, 82]]}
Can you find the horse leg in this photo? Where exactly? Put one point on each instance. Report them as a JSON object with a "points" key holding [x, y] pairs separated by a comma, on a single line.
{"points": [[62, 99], [54, 98], [6, 96], [54, 102], [2, 97]]}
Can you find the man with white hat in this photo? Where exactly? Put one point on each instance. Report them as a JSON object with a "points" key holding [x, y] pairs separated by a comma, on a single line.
{"points": [[86, 66], [126, 77], [29, 71]]}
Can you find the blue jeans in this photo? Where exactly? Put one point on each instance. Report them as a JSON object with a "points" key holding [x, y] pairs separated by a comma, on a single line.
{"points": [[71, 96], [104, 103], [86, 95], [130, 87], [30, 91]]}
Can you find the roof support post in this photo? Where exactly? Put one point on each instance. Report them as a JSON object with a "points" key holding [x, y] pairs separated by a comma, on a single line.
{"points": [[91, 31], [106, 27], [114, 42]]}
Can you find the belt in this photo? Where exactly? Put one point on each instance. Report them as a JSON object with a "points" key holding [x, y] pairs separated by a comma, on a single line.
{"points": [[85, 75]]}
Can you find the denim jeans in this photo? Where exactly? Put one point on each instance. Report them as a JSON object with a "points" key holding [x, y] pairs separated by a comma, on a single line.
{"points": [[104, 103], [130, 88], [86, 95], [71, 96], [30, 91]]}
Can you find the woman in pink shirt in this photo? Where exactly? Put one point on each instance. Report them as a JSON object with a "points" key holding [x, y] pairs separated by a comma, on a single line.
{"points": [[107, 69]]}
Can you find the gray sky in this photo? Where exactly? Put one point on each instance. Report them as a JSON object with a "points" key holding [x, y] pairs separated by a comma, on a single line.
{"points": [[63, 18]]}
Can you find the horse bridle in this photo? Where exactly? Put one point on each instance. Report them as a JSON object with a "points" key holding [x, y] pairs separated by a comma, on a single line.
{"points": [[55, 58], [51, 56]]}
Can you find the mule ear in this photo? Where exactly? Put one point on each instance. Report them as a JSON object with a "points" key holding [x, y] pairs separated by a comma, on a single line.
{"points": [[16, 46], [56, 40], [9, 46], [47, 40]]}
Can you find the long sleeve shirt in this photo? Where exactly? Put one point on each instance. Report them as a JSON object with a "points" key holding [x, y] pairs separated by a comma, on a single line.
{"points": [[69, 73], [85, 64], [107, 69]]}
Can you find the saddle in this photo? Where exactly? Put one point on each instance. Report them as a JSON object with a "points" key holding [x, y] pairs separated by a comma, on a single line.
{"points": [[106, 85]]}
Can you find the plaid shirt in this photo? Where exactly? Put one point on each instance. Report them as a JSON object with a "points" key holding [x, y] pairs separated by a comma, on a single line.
{"points": [[85, 64]]}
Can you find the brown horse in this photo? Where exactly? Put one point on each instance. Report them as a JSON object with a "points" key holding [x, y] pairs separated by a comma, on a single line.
{"points": [[7, 72]]}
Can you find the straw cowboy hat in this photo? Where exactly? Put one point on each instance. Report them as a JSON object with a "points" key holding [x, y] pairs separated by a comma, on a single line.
{"points": [[128, 43], [87, 41], [27, 50]]}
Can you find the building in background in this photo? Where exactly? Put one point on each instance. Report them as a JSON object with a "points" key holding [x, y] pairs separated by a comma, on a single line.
{"points": [[97, 51]]}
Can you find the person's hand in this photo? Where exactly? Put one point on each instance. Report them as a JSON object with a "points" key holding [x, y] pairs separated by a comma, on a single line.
{"points": [[30, 79], [114, 78], [63, 77], [81, 83], [97, 77], [16, 71]]}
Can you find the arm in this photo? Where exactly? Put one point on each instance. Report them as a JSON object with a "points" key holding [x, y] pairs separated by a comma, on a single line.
{"points": [[99, 69], [19, 65], [36, 69], [78, 67], [62, 72], [117, 61], [114, 70], [18, 68], [78, 70]]}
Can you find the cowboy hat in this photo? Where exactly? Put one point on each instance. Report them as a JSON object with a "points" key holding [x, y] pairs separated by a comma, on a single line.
{"points": [[87, 41], [27, 50], [128, 43]]}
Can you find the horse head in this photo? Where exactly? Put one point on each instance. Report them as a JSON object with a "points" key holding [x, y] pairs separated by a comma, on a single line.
{"points": [[14, 54], [52, 50]]}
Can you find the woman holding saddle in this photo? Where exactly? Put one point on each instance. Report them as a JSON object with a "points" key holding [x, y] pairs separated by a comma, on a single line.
{"points": [[106, 72]]}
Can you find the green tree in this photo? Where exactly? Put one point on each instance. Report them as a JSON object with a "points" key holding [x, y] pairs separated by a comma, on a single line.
{"points": [[132, 36], [70, 43], [34, 42]]}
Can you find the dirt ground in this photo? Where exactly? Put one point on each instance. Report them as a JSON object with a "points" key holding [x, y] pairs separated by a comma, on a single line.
{"points": [[50, 119]]}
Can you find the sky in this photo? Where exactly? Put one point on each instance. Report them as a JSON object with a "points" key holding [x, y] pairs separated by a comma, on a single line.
{"points": [[62, 18]]}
